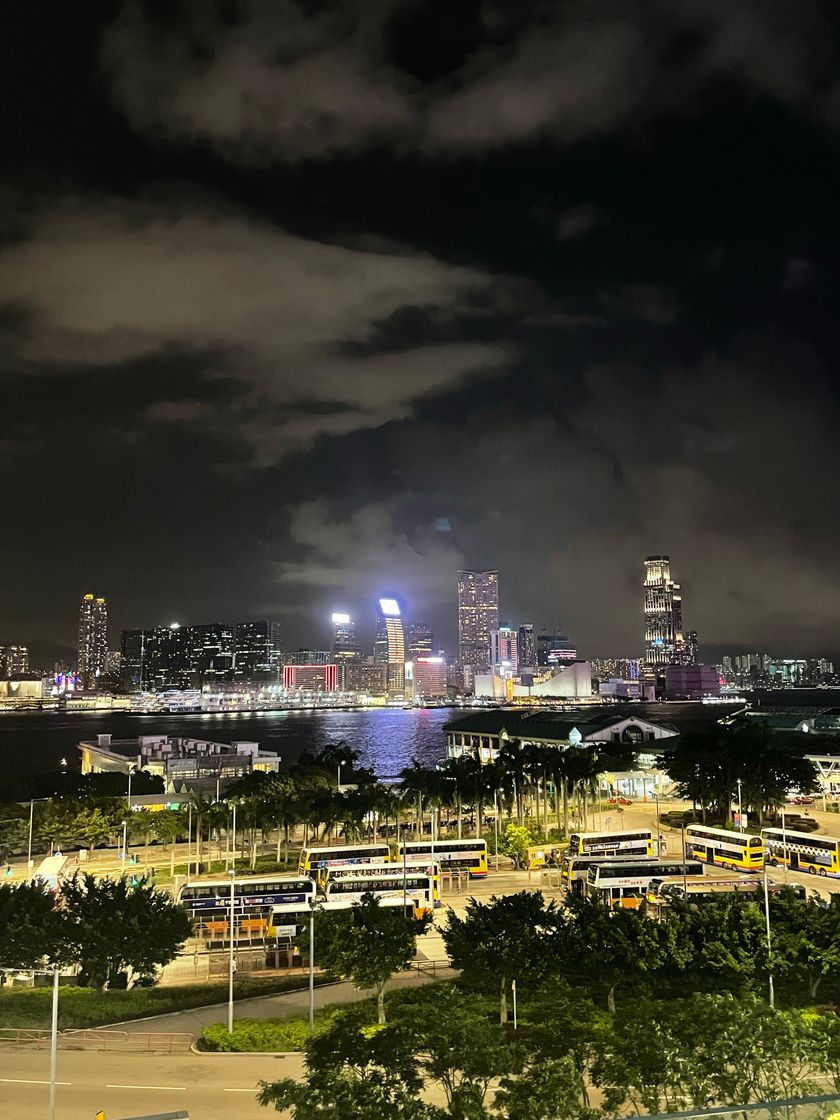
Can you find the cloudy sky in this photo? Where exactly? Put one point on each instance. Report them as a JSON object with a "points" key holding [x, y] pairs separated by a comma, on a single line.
{"points": [[302, 301]]}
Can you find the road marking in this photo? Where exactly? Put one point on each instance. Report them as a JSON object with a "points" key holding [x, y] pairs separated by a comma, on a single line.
{"points": [[239, 1090], [26, 1081], [172, 1088]]}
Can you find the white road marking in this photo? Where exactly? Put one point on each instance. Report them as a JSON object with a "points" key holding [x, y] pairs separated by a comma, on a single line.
{"points": [[172, 1088], [26, 1081], [239, 1090]]}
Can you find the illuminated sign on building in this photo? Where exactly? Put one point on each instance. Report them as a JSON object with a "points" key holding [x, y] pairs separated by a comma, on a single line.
{"points": [[313, 678], [390, 608]]}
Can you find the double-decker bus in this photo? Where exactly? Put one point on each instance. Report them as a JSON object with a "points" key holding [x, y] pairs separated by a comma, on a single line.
{"points": [[468, 855], [315, 861], [629, 842], [414, 885], [724, 848], [574, 870], [802, 851], [255, 899], [625, 884], [386, 871]]}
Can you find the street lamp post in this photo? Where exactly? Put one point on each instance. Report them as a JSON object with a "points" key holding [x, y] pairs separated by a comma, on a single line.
{"points": [[496, 824], [683, 857], [784, 844], [189, 838], [769, 949], [313, 906], [513, 993], [233, 838], [231, 962], [53, 1022], [740, 813], [31, 822], [125, 841], [131, 770], [338, 783]]}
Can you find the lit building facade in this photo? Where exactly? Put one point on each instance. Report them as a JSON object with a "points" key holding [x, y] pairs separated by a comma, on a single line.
{"points": [[390, 645], [429, 676], [662, 613], [419, 639], [504, 651], [93, 640], [14, 661], [526, 647], [310, 678], [478, 616], [554, 649], [367, 677], [175, 656]]}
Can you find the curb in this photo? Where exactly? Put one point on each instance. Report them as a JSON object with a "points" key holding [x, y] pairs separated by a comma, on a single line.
{"points": [[245, 1053]]}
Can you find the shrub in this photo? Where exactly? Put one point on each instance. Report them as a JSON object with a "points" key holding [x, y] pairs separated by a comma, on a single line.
{"points": [[264, 1035]]}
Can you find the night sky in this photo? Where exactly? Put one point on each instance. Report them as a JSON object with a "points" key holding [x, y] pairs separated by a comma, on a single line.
{"points": [[307, 302]]}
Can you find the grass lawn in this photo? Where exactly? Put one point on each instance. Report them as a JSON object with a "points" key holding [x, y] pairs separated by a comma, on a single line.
{"points": [[84, 1007]]}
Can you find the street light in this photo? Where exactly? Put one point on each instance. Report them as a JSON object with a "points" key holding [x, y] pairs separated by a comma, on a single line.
{"points": [[769, 949], [131, 770], [231, 962], [125, 841], [784, 844], [53, 1020], [313, 906], [740, 813], [339, 776], [31, 821]]}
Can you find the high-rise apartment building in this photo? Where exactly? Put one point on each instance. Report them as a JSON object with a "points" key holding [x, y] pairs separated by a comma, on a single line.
{"points": [[390, 644], [526, 648], [478, 615], [663, 613], [93, 640]]}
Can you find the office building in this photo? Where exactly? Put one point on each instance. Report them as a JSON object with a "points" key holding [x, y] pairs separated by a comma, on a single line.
{"points": [[344, 644], [14, 661], [310, 678], [554, 649], [478, 615], [691, 682], [93, 640], [390, 645], [429, 677], [367, 677], [526, 648], [419, 638], [662, 613], [504, 651], [214, 653]]}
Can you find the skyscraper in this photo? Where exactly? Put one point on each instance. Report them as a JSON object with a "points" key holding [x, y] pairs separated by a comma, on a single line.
{"points": [[504, 654], [419, 638], [478, 615], [663, 613], [344, 647], [93, 640], [526, 649], [390, 644]]}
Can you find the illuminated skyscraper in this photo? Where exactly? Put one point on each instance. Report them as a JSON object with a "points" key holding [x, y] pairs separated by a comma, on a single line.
{"points": [[663, 613], [344, 645], [526, 649], [478, 615], [390, 644], [93, 640], [504, 654]]}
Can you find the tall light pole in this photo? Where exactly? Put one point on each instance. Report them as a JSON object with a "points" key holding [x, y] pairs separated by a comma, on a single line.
{"points": [[125, 841], [131, 770], [769, 948], [31, 822], [684, 858], [233, 838], [189, 838], [313, 906], [54, 1044], [496, 824], [740, 813], [784, 844], [338, 783], [231, 962]]}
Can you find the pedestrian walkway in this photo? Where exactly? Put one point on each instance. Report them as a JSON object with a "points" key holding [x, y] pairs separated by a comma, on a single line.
{"points": [[285, 1005]]}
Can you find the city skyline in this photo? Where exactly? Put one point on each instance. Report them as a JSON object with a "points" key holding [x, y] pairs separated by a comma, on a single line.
{"points": [[438, 313]]}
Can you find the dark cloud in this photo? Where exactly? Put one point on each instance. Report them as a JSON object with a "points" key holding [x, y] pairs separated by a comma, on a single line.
{"points": [[300, 301]]}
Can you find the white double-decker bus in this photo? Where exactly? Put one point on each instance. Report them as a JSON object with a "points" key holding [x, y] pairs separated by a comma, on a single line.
{"points": [[414, 885]]}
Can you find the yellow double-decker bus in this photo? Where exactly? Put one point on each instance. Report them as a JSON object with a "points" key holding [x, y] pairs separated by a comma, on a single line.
{"points": [[628, 842], [724, 848], [314, 862], [802, 851]]}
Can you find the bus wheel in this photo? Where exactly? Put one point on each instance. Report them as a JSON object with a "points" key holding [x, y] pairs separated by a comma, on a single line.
{"points": [[774, 862], [822, 871], [811, 871]]}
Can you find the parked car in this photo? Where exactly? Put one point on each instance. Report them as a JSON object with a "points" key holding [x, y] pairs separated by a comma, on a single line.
{"points": [[620, 801], [800, 799]]}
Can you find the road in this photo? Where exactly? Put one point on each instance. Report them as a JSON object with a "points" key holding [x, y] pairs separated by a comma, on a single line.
{"points": [[212, 1087]]}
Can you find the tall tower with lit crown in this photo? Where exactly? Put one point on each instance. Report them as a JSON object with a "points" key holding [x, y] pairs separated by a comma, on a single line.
{"points": [[93, 640], [663, 613]]}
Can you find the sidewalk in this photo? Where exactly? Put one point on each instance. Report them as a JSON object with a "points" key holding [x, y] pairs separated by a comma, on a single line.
{"points": [[282, 1006]]}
